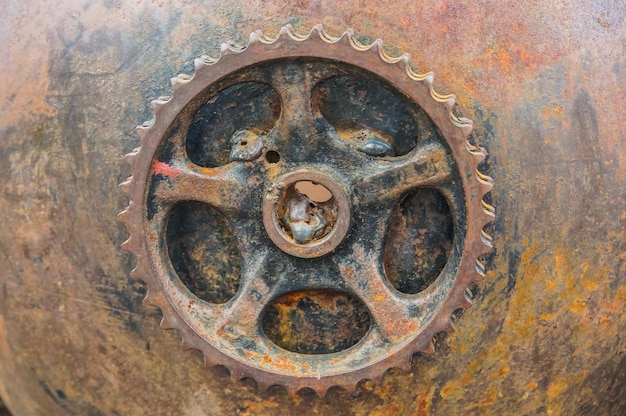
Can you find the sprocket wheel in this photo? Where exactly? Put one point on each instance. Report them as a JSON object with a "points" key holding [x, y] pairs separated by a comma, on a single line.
{"points": [[334, 244]]}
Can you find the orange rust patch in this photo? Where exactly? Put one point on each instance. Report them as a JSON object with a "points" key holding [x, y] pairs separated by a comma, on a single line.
{"points": [[556, 388], [552, 111], [161, 168]]}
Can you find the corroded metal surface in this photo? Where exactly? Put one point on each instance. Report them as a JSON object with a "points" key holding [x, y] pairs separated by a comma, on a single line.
{"points": [[366, 177], [545, 86]]}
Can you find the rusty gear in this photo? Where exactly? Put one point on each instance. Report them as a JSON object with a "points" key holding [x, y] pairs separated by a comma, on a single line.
{"points": [[229, 334]]}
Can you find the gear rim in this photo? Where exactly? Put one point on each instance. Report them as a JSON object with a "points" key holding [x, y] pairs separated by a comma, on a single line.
{"points": [[346, 49]]}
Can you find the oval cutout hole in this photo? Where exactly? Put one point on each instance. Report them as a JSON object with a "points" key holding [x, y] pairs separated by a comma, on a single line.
{"points": [[247, 106], [203, 251], [419, 241], [368, 114], [316, 322]]}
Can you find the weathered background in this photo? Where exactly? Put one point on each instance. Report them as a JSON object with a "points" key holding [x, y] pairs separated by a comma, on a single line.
{"points": [[544, 82]]}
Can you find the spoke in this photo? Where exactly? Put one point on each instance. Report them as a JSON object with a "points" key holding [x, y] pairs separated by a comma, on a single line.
{"points": [[294, 133], [223, 188], [390, 312], [242, 317], [426, 166]]}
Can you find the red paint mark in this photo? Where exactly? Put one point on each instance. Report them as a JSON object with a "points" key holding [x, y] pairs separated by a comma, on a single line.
{"points": [[161, 168]]}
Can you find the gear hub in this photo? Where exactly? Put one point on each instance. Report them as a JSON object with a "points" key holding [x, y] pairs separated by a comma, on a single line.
{"points": [[306, 176]]}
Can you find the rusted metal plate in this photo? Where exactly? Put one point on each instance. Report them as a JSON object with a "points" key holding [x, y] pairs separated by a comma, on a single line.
{"points": [[544, 84]]}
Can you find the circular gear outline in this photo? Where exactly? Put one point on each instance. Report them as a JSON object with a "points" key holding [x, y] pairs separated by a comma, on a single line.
{"points": [[396, 70]]}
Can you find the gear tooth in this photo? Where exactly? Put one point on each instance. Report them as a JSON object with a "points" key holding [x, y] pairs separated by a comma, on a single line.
{"points": [[468, 297], [356, 45], [404, 61], [153, 298], [389, 58], [426, 78], [325, 36], [262, 386], [450, 100], [488, 212], [377, 46], [130, 158], [140, 272], [346, 37], [405, 365], [429, 78], [199, 63], [147, 124], [209, 60], [487, 217], [450, 327], [254, 39], [430, 347], [230, 48], [322, 390], [236, 374], [125, 187], [129, 244], [467, 129], [480, 269], [208, 362], [159, 102], [377, 380], [291, 390], [142, 131], [485, 182], [263, 38], [187, 345], [166, 322], [318, 30], [478, 153], [485, 187], [466, 125], [133, 153], [149, 298], [487, 240], [288, 31], [123, 216], [179, 81], [484, 178], [350, 388], [136, 273]]}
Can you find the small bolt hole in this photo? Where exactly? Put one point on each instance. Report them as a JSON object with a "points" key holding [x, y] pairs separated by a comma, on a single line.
{"points": [[272, 156]]}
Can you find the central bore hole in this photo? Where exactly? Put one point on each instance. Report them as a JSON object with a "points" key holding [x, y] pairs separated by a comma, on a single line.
{"points": [[313, 191], [306, 211]]}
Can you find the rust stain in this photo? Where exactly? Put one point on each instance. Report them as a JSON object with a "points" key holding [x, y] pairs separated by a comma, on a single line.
{"points": [[161, 168]]}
